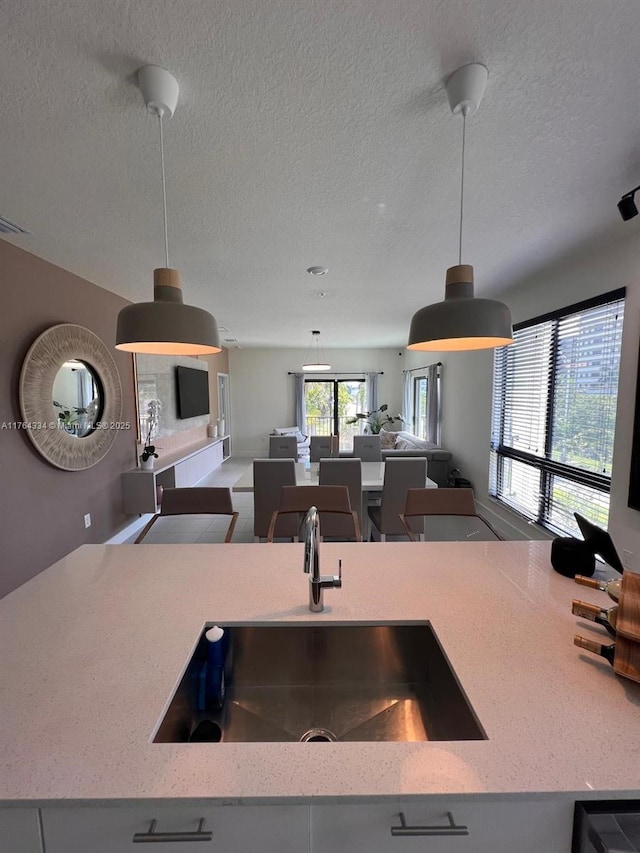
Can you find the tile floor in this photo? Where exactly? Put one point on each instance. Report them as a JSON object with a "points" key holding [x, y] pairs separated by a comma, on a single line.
{"points": [[203, 528]]}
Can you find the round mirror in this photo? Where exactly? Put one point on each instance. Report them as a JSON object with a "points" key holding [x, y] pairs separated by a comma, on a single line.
{"points": [[78, 398], [71, 397]]}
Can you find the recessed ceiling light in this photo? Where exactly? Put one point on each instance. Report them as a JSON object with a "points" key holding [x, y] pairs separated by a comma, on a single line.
{"points": [[322, 294], [317, 270]]}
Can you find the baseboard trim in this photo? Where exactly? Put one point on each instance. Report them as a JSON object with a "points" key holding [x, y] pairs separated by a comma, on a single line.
{"points": [[129, 530]]}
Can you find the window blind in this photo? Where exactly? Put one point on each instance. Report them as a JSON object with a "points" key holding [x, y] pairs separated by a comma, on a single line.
{"points": [[553, 414]]}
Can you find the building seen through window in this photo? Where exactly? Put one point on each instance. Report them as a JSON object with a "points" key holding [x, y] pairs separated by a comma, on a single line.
{"points": [[553, 416]]}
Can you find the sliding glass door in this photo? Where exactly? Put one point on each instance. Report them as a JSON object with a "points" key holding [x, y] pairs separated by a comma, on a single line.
{"points": [[330, 403]]}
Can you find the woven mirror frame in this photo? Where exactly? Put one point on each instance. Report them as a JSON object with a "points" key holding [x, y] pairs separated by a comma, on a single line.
{"points": [[47, 355]]}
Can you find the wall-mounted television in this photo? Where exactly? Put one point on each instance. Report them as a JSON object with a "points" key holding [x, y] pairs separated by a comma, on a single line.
{"points": [[192, 392]]}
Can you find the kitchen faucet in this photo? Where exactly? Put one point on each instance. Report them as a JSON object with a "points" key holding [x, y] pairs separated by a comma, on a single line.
{"points": [[317, 583]]}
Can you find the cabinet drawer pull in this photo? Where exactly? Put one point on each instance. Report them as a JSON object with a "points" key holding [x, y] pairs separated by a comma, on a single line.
{"points": [[405, 830], [151, 836]]}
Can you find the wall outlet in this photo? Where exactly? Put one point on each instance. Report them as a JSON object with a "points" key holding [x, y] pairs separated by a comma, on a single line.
{"points": [[87, 520]]}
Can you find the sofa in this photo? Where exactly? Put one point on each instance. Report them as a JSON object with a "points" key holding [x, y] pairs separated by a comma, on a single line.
{"points": [[398, 444], [393, 444], [303, 440]]}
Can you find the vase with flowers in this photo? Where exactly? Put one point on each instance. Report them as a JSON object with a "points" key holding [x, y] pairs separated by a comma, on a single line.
{"points": [[375, 420], [149, 454]]}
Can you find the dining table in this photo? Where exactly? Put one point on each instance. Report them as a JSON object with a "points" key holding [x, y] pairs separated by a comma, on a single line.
{"points": [[307, 475]]}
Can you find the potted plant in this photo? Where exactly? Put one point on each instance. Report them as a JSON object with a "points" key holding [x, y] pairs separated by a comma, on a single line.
{"points": [[374, 421], [149, 450], [147, 456]]}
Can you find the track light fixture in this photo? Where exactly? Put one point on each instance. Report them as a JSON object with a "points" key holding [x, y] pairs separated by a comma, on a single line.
{"points": [[627, 205]]}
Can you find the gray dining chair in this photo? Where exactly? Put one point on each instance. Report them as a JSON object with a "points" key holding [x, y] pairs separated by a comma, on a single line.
{"points": [[283, 447], [400, 475], [269, 476], [445, 515], [367, 448], [322, 446], [341, 472]]}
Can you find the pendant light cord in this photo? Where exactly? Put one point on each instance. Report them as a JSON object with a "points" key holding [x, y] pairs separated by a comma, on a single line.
{"points": [[464, 134], [164, 195]]}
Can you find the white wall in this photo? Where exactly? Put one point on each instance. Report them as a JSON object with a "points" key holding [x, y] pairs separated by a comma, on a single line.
{"points": [[467, 377], [262, 394]]}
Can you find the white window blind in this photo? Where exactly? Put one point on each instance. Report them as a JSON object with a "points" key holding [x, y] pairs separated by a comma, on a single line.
{"points": [[553, 416]]}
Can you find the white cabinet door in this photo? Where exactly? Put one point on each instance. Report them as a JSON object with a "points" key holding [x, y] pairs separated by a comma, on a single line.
{"points": [[234, 829], [206, 462], [217, 455], [183, 474], [19, 831], [190, 471], [495, 826]]}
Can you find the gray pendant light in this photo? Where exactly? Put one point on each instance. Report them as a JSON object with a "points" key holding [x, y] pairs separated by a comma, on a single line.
{"points": [[165, 326], [462, 321]]}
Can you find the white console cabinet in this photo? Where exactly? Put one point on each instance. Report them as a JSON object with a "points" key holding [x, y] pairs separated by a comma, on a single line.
{"points": [[232, 829], [176, 470], [19, 831]]}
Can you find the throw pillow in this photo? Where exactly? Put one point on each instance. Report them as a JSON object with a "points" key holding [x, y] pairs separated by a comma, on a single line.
{"points": [[290, 431], [387, 440], [423, 444], [414, 442], [404, 444]]}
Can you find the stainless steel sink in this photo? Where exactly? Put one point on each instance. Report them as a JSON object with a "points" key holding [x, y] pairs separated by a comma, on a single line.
{"points": [[388, 682]]}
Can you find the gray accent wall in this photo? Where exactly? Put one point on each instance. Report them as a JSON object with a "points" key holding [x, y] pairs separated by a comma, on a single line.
{"points": [[42, 507]]}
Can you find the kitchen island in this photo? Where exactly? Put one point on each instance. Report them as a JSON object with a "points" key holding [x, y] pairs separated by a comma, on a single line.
{"points": [[93, 648]]}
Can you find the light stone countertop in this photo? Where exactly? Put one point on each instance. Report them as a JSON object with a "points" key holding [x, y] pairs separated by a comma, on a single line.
{"points": [[92, 649]]}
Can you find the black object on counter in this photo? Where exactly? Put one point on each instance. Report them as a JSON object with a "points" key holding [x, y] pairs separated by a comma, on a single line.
{"points": [[599, 542], [571, 557], [206, 732]]}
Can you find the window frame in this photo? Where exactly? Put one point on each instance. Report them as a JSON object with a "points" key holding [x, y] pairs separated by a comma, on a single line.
{"points": [[415, 408], [547, 467]]}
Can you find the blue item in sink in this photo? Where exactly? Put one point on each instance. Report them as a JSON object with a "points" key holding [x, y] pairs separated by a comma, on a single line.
{"points": [[216, 650]]}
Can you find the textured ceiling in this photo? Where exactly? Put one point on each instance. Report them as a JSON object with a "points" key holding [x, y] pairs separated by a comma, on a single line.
{"points": [[316, 132]]}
